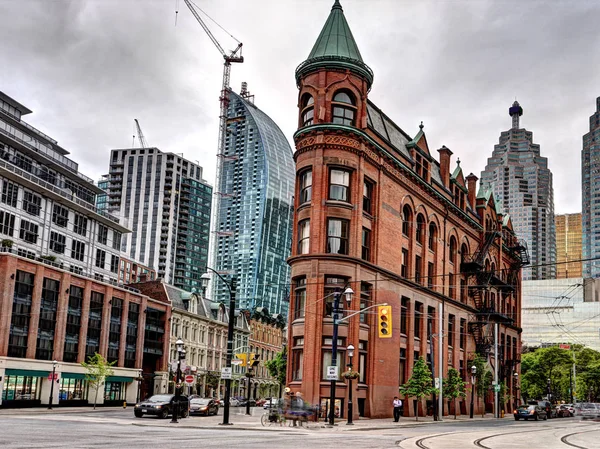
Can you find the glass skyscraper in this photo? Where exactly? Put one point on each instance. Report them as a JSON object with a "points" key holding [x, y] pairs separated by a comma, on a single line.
{"points": [[254, 219], [590, 195], [521, 180]]}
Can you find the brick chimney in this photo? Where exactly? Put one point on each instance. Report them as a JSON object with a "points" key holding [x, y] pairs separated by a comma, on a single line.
{"points": [[445, 154], [471, 186]]}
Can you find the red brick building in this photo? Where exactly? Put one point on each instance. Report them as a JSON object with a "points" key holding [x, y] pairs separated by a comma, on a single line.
{"points": [[375, 211]]}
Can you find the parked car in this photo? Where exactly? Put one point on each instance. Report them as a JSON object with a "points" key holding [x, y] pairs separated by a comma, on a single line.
{"points": [[260, 402], [252, 403], [271, 402], [204, 406], [233, 402], [587, 410], [562, 411], [570, 408], [528, 412], [161, 405], [547, 406]]}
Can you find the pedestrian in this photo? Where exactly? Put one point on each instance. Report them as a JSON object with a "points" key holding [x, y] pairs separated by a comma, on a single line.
{"points": [[397, 408]]}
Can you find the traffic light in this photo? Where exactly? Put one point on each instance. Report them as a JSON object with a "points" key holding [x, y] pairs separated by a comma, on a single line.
{"points": [[254, 360], [244, 359], [384, 321]]}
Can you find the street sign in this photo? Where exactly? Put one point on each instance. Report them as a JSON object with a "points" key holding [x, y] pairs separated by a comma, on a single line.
{"points": [[497, 388], [437, 382], [237, 362], [183, 365], [564, 346], [174, 366], [226, 372], [53, 376], [332, 373], [189, 380]]}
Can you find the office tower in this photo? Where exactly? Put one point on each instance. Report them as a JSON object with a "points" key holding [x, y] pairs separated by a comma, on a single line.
{"points": [[102, 198], [590, 195], [522, 182], [568, 246], [164, 200], [254, 220]]}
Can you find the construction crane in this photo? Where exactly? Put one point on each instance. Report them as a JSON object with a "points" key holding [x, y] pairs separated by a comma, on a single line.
{"points": [[235, 56], [140, 134]]}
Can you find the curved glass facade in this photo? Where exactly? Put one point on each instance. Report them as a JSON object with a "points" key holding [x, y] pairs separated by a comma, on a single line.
{"points": [[254, 220]]}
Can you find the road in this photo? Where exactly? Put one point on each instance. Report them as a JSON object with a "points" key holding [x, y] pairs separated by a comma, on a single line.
{"points": [[117, 428]]}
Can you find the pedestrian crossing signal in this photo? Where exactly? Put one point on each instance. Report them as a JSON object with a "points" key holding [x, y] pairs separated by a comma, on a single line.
{"points": [[384, 321]]}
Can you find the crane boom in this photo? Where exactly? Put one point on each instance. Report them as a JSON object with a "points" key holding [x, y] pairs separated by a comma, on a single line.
{"points": [[140, 134]]}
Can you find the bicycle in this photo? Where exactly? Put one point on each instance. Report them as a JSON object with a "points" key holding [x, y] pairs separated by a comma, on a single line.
{"points": [[272, 417]]}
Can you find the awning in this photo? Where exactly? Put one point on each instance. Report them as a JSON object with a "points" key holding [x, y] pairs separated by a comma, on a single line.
{"points": [[72, 376], [26, 372], [119, 379]]}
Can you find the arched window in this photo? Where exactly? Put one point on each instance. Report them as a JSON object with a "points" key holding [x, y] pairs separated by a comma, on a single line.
{"points": [[406, 219], [464, 252], [308, 110], [453, 250], [343, 109], [420, 233], [432, 236]]}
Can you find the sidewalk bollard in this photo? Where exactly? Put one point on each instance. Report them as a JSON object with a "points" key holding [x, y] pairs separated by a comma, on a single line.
{"points": [[501, 413], [124, 404]]}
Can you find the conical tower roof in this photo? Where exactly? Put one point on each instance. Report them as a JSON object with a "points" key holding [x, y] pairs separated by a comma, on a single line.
{"points": [[335, 48]]}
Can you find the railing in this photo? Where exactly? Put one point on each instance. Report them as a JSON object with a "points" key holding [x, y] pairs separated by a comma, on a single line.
{"points": [[46, 185]]}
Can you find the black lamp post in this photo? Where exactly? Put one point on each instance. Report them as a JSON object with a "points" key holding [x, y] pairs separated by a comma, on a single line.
{"points": [[473, 373], [54, 363], [140, 378], [336, 310], [516, 388], [350, 349], [231, 287], [549, 390], [180, 357]]}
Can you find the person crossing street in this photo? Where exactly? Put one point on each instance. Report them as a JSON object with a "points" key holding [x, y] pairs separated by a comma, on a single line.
{"points": [[397, 408]]}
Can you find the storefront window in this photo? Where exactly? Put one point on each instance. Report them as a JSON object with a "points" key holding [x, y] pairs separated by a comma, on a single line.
{"points": [[21, 388], [114, 391], [72, 390]]}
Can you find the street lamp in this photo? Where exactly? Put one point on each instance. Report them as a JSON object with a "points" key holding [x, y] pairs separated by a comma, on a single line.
{"points": [[350, 349], [180, 357], [515, 386], [348, 293], [473, 373], [231, 287], [54, 363], [140, 378], [549, 390]]}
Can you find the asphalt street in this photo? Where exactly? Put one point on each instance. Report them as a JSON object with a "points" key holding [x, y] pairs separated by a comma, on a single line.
{"points": [[117, 428]]}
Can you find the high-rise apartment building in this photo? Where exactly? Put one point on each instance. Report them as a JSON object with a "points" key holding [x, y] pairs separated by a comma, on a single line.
{"points": [[590, 195], [568, 246], [522, 182], [254, 220], [164, 200]]}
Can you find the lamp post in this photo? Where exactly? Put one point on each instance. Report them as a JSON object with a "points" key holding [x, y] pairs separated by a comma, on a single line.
{"points": [[350, 411], [549, 390], [516, 388], [348, 292], [54, 363], [140, 378], [180, 357], [473, 373], [231, 288]]}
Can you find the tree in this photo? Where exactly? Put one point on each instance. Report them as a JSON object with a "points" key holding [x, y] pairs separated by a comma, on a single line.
{"points": [[419, 384], [483, 377], [278, 367], [98, 369], [454, 387]]}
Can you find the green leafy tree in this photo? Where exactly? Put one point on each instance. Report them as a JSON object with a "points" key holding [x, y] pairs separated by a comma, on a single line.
{"points": [[419, 384], [277, 367], [483, 377], [212, 379], [454, 387], [97, 370]]}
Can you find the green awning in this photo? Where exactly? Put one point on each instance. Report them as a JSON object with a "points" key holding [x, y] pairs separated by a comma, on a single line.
{"points": [[72, 376], [26, 372], [119, 379]]}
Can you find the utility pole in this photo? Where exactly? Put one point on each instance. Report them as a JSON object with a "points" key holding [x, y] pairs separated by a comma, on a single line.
{"points": [[431, 358], [441, 361], [496, 384]]}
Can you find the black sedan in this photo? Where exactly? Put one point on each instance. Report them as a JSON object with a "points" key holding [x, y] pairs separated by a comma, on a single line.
{"points": [[162, 405], [528, 412], [199, 406]]}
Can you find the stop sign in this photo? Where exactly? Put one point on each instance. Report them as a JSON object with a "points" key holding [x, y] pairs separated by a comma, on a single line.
{"points": [[189, 380]]}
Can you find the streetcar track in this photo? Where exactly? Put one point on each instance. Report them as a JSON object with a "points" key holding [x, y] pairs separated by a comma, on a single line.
{"points": [[420, 443], [565, 438]]}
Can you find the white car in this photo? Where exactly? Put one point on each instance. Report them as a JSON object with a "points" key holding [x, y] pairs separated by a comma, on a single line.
{"points": [[233, 402], [267, 403]]}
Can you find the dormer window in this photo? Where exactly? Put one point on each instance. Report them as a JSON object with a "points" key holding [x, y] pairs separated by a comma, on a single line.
{"points": [[422, 167], [343, 109], [308, 110]]}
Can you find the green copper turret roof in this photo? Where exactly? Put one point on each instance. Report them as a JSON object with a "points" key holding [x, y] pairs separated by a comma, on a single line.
{"points": [[336, 48]]}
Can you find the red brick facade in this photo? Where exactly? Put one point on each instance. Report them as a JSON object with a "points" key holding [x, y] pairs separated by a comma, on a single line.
{"points": [[431, 240]]}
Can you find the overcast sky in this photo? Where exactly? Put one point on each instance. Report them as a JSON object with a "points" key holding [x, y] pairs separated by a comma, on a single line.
{"points": [[87, 68]]}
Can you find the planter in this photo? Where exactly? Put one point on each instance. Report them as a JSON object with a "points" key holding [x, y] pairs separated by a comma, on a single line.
{"points": [[6, 243], [350, 374]]}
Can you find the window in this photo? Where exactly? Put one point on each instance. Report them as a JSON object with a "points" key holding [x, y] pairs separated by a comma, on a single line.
{"points": [[326, 361], [337, 236], [114, 263], [404, 305], [7, 223], [418, 319], [406, 219], [339, 184], [29, 231], [365, 300], [420, 232], [299, 298], [366, 244], [57, 242], [432, 236], [116, 243], [344, 110], [9, 193], [333, 285], [367, 197], [100, 258], [418, 268], [308, 110], [80, 225], [60, 215], [102, 234], [32, 204], [304, 237], [305, 186], [451, 324], [452, 285], [297, 364], [453, 250], [463, 325], [77, 250], [422, 166], [430, 274], [404, 266]]}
